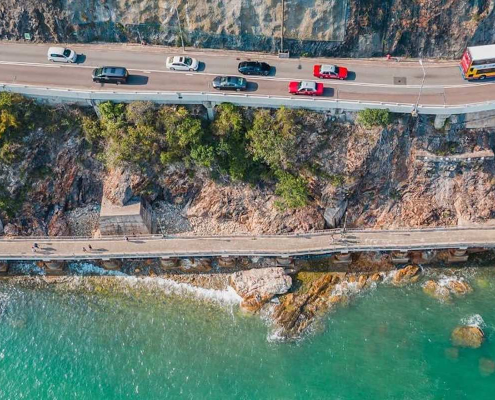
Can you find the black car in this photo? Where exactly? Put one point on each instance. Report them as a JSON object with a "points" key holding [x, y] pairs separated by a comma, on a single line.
{"points": [[254, 68], [230, 83], [110, 75]]}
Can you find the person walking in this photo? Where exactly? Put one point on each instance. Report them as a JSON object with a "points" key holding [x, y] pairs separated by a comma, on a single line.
{"points": [[84, 249], [90, 247]]}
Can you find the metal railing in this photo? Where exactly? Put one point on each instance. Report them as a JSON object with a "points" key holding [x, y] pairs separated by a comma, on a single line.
{"points": [[248, 100]]}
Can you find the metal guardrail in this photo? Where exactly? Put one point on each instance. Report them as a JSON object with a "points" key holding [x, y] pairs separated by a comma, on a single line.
{"points": [[248, 100], [322, 232]]}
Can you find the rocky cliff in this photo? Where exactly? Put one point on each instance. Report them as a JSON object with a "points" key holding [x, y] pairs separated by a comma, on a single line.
{"points": [[208, 183], [316, 27]]}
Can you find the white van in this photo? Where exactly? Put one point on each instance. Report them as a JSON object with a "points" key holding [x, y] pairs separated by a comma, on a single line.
{"points": [[61, 54]]}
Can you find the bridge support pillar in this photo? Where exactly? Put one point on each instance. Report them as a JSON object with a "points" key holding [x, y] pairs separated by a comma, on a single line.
{"points": [[440, 121], [4, 267], [226, 262], [210, 109], [53, 267], [458, 255], [343, 258], [168, 263], [111, 264], [400, 257]]}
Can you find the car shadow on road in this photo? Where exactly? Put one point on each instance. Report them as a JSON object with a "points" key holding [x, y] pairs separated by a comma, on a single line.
{"points": [[328, 92], [251, 87], [201, 66], [351, 76], [273, 71], [81, 59], [137, 80]]}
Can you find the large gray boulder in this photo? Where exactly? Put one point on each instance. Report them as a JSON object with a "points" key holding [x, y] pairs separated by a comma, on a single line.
{"points": [[260, 285]]}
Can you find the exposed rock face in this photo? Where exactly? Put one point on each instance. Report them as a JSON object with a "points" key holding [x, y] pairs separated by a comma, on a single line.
{"points": [[486, 366], [406, 275], [58, 225], [118, 186], [433, 289], [11, 230], [253, 209], [316, 294], [468, 336], [337, 27], [258, 286]]}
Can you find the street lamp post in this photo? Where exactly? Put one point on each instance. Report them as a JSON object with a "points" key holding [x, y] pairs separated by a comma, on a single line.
{"points": [[282, 35], [415, 110]]}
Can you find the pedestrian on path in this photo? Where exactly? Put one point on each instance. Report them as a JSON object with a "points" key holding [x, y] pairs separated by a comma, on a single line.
{"points": [[35, 245], [126, 238], [84, 249], [89, 247], [33, 249]]}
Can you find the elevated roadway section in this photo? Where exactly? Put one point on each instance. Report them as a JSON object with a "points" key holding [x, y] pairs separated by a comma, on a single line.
{"points": [[372, 83], [319, 243]]}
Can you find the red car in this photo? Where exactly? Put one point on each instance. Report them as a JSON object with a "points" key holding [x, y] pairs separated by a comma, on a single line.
{"points": [[326, 71], [309, 88]]}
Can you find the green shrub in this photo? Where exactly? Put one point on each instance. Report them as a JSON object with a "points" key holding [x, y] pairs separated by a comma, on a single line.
{"points": [[203, 155], [141, 113], [273, 139], [373, 117], [292, 189]]}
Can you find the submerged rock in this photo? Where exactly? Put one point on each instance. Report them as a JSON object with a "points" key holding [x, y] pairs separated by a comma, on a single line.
{"points": [[486, 366], [406, 275], [459, 287], [468, 336], [258, 286], [433, 289]]}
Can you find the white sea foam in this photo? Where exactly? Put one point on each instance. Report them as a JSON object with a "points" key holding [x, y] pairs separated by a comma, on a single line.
{"points": [[473, 320], [85, 268], [26, 269], [169, 286]]}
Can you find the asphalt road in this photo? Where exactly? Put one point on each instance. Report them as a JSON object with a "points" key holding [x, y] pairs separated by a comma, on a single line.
{"points": [[377, 80]]}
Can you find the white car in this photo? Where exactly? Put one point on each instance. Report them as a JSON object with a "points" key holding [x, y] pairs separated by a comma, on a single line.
{"points": [[182, 63], [61, 54]]}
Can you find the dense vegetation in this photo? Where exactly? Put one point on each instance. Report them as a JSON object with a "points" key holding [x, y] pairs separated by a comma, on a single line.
{"points": [[19, 118], [370, 118], [257, 148]]}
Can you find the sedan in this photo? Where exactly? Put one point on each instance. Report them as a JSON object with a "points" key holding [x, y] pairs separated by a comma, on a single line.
{"points": [[326, 71], [309, 88], [230, 83], [61, 54], [182, 63], [254, 68]]}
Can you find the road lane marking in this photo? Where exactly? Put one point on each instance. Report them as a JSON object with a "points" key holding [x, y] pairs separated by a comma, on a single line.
{"points": [[329, 82]]}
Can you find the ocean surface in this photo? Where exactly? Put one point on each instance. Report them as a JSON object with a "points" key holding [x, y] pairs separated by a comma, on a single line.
{"points": [[389, 343]]}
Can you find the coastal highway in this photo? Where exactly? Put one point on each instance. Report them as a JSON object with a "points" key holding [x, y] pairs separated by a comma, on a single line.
{"points": [[369, 80], [327, 242]]}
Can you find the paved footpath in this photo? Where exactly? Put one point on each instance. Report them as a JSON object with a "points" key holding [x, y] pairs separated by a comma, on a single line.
{"points": [[279, 246]]}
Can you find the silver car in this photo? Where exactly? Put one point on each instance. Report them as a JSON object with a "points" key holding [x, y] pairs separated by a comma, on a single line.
{"points": [[61, 54], [182, 63]]}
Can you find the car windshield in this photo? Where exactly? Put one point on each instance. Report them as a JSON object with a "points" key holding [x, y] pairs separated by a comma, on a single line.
{"points": [[67, 52], [98, 71], [336, 70], [188, 61]]}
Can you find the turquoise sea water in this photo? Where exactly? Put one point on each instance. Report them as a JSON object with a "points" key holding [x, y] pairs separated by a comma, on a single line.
{"points": [[390, 343]]}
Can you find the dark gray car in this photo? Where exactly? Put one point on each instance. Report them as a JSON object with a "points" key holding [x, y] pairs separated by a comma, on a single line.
{"points": [[254, 68], [230, 83], [110, 75]]}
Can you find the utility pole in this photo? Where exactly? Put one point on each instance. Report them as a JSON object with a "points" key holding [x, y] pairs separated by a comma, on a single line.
{"points": [[180, 28], [282, 35], [415, 111]]}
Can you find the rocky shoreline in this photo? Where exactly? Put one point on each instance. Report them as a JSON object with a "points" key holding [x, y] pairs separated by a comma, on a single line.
{"points": [[294, 305]]}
